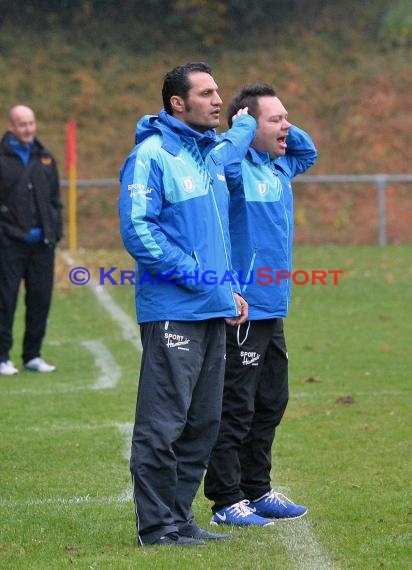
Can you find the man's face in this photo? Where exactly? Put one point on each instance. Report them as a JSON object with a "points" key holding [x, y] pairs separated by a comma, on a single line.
{"points": [[272, 127], [201, 110], [23, 124]]}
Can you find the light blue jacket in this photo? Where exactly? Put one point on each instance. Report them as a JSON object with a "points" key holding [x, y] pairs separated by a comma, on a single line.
{"points": [[261, 223], [173, 208]]}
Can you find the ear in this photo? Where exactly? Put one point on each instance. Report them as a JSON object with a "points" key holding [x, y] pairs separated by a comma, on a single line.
{"points": [[177, 103]]}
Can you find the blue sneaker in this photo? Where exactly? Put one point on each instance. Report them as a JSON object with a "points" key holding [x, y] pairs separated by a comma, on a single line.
{"points": [[277, 506], [239, 514]]}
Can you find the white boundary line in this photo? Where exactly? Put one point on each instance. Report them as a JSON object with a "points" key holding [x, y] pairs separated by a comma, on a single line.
{"points": [[103, 359], [298, 539], [303, 550], [126, 496], [57, 389], [122, 498], [127, 325], [126, 431]]}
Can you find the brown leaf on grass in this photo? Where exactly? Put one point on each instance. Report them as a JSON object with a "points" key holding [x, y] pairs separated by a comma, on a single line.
{"points": [[345, 400], [311, 379], [72, 549]]}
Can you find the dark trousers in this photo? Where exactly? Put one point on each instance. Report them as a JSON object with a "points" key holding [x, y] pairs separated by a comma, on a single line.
{"points": [[254, 400], [178, 409], [34, 265]]}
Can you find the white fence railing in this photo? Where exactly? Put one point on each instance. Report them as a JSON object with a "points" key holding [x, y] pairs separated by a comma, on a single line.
{"points": [[380, 181]]}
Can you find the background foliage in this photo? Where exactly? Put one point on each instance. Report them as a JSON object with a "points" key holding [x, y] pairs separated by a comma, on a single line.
{"points": [[341, 67]]}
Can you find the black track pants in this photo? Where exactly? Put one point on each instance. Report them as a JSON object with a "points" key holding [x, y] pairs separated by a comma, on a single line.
{"points": [[254, 400], [33, 264], [177, 420]]}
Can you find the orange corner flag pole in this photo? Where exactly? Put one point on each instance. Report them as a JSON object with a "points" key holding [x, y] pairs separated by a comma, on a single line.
{"points": [[72, 175]]}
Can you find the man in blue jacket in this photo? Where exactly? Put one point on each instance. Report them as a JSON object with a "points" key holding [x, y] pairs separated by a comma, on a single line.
{"points": [[256, 378], [174, 207]]}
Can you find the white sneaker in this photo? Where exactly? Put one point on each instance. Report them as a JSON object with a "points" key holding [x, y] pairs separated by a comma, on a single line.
{"points": [[7, 368], [39, 365]]}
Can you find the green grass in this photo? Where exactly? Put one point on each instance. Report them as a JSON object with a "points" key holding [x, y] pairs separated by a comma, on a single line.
{"points": [[343, 447]]}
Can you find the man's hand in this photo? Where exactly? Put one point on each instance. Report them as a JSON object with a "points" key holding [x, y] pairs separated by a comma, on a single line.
{"points": [[243, 111], [243, 312]]}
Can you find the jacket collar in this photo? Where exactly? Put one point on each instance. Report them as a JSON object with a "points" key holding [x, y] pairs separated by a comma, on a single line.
{"points": [[173, 132], [258, 157]]}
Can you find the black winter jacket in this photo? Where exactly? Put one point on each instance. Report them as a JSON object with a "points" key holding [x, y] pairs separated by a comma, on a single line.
{"points": [[20, 185]]}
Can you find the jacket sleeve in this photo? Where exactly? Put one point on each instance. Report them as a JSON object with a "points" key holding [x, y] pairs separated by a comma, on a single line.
{"points": [[140, 206], [56, 202], [237, 141], [230, 150], [301, 152], [233, 144]]}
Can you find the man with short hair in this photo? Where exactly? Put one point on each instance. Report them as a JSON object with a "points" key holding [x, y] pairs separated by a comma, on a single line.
{"points": [[173, 209], [256, 378], [30, 227]]}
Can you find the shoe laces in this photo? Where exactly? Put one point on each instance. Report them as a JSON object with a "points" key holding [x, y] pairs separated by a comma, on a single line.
{"points": [[275, 497], [241, 509]]}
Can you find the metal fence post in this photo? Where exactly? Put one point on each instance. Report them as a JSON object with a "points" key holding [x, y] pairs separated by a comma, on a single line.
{"points": [[381, 183]]}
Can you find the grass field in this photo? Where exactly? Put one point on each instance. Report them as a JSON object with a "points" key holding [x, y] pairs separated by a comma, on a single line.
{"points": [[343, 447]]}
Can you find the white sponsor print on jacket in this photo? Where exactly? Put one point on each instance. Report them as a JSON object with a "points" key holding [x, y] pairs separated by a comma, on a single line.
{"points": [[139, 190]]}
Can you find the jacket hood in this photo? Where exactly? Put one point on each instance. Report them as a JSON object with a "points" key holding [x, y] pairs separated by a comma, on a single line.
{"points": [[171, 129]]}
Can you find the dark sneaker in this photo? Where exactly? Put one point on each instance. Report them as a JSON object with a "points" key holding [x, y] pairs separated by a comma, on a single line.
{"points": [[177, 539], [277, 506], [195, 531]]}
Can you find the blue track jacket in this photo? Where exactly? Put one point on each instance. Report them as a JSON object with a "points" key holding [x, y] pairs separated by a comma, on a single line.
{"points": [[174, 210], [261, 223]]}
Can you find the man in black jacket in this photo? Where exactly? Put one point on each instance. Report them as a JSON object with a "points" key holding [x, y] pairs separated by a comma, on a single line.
{"points": [[30, 227]]}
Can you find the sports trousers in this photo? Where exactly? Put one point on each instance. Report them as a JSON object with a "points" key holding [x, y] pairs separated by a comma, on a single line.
{"points": [[178, 409], [254, 400], [34, 265]]}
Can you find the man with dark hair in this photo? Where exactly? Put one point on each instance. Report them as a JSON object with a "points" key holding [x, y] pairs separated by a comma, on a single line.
{"points": [[174, 207], [30, 227], [256, 378]]}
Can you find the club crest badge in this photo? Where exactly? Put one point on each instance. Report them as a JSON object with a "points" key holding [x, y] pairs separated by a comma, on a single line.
{"points": [[188, 184]]}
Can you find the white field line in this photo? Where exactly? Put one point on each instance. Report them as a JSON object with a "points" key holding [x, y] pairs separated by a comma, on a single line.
{"points": [[103, 359], [355, 393], [63, 389], [126, 324], [296, 536], [126, 496], [303, 550], [126, 431], [57, 389], [299, 541]]}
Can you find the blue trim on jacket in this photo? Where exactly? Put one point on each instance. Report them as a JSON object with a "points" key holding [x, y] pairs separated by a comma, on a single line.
{"points": [[261, 223], [173, 208]]}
